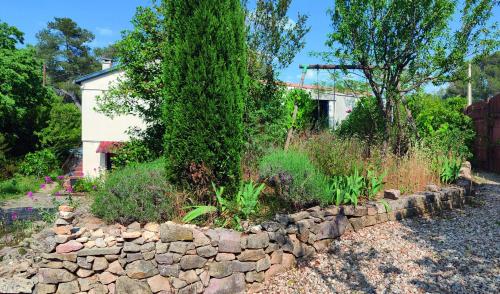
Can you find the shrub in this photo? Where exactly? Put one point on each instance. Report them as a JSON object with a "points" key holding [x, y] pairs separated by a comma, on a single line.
{"points": [[137, 193], [205, 88], [133, 151], [294, 177], [86, 184], [365, 121], [39, 163], [335, 156], [18, 185]]}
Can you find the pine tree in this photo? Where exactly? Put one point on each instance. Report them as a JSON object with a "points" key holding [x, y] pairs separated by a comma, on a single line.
{"points": [[205, 86]]}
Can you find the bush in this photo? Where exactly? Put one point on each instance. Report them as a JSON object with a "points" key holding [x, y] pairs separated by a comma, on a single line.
{"points": [[365, 121], [205, 89], [137, 193], [18, 186], [134, 151], [39, 163], [335, 156], [86, 184], [294, 177]]}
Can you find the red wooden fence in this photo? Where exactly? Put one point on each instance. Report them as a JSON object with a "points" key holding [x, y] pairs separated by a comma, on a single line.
{"points": [[486, 117]]}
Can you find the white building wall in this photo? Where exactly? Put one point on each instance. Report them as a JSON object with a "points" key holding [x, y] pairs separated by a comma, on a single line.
{"points": [[97, 127]]}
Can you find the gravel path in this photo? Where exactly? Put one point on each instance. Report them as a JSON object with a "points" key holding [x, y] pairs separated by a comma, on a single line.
{"points": [[458, 252]]}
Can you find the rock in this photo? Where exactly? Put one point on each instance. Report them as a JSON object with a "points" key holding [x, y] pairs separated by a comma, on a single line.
{"points": [[99, 233], [192, 262], [125, 285], [225, 256], [200, 239], [68, 288], [100, 264], [259, 240], [332, 229], [62, 230], [298, 216], [99, 242], [263, 264], [66, 215], [274, 270], [69, 247], [83, 273], [331, 210], [99, 289], [277, 256], [107, 278], [52, 264], [254, 277], [188, 276], [242, 267], [170, 232], [71, 266], [39, 289], [135, 226], [61, 222], [169, 270], [229, 285], [206, 251], [288, 261], [147, 247], [66, 208], [152, 227], [131, 235], [272, 247], [159, 283], [256, 288], [87, 283], [61, 238], [178, 283], [180, 247], [220, 269], [251, 255], [161, 247], [99, 251], [167, 258], [322, 245], [54, 276], [59, 256], [83, 263], [16, 285], [205, 278], [271, 226], [392, 194], [229, 241], [141, 269], [149, 236], [131, 247], [116, 268], [131, 257], [90, 244]]}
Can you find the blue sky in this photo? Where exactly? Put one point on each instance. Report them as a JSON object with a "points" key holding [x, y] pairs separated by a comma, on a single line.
{"points": [[107, 18]]}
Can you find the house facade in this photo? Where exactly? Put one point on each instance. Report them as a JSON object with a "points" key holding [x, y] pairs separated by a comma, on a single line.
{"points": [[100, 133]]}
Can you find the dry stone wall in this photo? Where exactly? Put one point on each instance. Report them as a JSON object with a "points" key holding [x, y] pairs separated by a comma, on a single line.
{"points": [[174, 258]]}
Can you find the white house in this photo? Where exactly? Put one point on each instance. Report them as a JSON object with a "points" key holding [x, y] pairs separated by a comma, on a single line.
{"points": [[100, 132]]}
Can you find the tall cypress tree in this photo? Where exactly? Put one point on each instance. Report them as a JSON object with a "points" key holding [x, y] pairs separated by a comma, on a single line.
{"points": [[205, 79]]}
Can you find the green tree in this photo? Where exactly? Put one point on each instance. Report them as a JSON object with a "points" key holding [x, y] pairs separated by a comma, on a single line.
{"points": [[64, 47], [24, 101], [63, 131], [485, 79], [403, 45], [205, 87]]}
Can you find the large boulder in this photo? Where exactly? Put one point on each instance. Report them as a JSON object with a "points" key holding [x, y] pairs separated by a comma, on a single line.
{"points": [[141, 269], [170, 232], [228, 285], [54, 276], [16, 285]]}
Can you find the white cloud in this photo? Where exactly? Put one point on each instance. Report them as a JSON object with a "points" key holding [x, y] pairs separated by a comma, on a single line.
{"points": [[104, 31]]}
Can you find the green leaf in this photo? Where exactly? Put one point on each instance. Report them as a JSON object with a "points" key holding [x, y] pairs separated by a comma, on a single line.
{"points": [[197, 212]]}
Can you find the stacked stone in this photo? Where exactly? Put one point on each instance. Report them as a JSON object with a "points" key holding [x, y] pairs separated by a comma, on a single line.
{"points": [[432, 201], [174, 258]]}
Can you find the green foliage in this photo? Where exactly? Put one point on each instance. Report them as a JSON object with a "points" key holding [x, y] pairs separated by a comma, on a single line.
{"points": [[485, 79], [230, 210], [374, 183], [64, 47], [305, 105], [294, 178], [442, 124], [136, 193], [63, 131], [365, 120], [336, 156], [449, 168], [414, 46], [205, 88], [133, 151], [18, 185], [87, 184], [39, 163], [24, 102]]}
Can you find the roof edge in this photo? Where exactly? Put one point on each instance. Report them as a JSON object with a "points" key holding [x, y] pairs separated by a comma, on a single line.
{"points": [[96, 74]]}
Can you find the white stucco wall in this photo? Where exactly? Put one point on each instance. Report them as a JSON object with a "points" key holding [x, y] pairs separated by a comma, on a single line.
{"points": [[97, 127]]}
